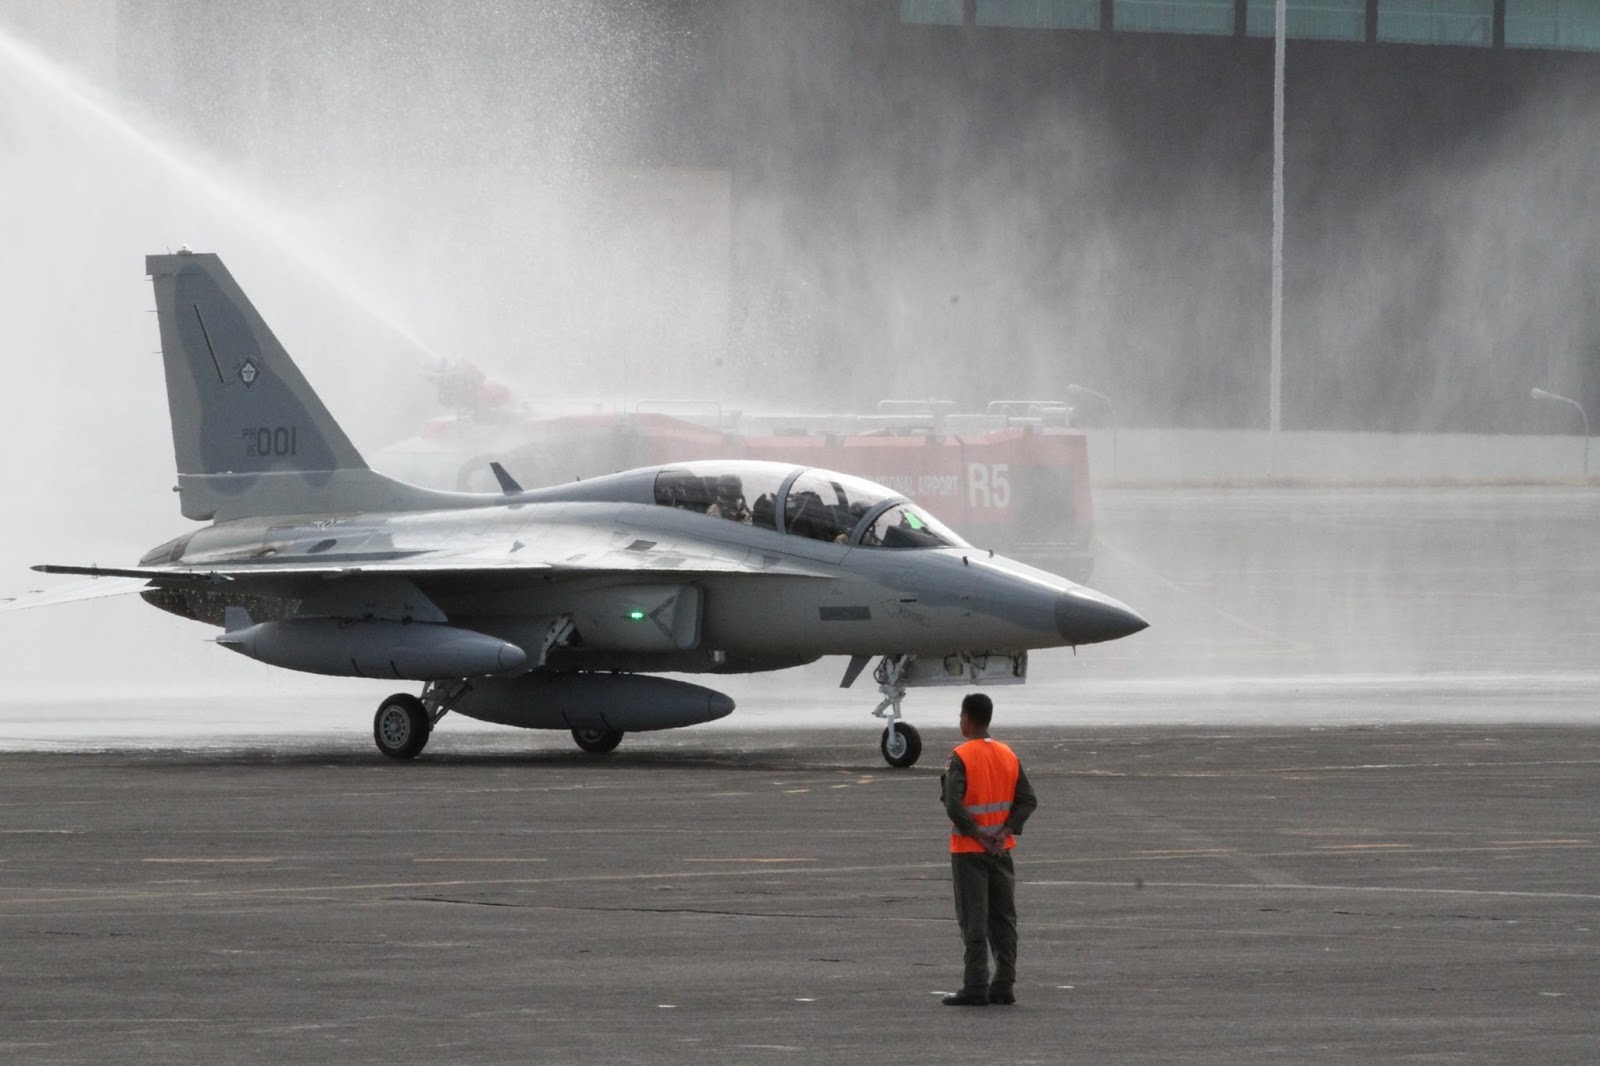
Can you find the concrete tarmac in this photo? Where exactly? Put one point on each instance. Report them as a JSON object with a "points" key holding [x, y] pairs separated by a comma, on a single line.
{"points": [[1389, 893]]}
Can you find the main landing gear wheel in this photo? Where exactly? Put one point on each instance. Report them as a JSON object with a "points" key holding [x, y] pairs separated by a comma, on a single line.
{"points": [[904, 748], [401, 726], [597, 741]]}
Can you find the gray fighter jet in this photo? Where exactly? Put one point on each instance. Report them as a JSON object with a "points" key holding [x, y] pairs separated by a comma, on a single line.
{"points": [[551, 608]]}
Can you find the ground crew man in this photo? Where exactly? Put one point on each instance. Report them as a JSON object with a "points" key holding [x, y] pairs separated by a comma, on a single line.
{"points": [[988, 799]]}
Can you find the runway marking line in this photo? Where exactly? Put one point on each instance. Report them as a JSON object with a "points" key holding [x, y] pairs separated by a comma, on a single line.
{"points": [[1315, 849], [1180, 853], [1362, 889], [213, 861], [750, 860], [1542, 843], [468, 859], [1317, 773]]}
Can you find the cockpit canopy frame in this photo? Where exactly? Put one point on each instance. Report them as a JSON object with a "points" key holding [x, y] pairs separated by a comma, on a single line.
{"points": [[802, 501]]}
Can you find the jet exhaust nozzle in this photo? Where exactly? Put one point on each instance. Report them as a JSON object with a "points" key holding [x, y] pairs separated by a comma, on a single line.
{"points": [[631, 703], [414, 651]]}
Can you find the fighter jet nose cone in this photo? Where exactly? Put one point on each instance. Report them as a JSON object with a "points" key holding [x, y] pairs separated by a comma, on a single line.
{"points": [[1084, 616]]}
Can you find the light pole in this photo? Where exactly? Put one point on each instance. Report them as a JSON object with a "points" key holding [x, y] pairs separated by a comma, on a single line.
{"points": [[1076, 391], [1540, 394], [1280, 34]]}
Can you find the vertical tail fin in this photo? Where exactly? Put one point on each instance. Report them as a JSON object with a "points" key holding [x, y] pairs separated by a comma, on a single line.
{"points": [[250, 435]]}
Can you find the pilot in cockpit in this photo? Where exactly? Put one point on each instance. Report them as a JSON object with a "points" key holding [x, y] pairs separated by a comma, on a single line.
{"points": [[729, 502], [853, 516]]}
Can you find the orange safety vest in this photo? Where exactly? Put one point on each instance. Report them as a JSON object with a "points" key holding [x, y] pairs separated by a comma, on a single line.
{"points": [[992, 770]]}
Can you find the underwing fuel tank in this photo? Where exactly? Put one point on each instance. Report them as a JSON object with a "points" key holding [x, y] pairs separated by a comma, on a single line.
{"points": [[629, 703], [414, 651]]}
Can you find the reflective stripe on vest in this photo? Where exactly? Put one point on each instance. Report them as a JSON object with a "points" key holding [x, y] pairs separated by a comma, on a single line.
{"points": [[992, 771]]}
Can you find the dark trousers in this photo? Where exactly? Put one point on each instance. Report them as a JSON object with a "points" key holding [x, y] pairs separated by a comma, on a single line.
{"points": [[986, 909]]}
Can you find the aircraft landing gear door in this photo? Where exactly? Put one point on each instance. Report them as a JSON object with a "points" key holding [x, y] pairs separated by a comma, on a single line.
{"points": [[901, 744]]}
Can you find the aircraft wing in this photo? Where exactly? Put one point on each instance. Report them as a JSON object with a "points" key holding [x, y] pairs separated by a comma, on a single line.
{"points": [[95, 588], [637, 557]]}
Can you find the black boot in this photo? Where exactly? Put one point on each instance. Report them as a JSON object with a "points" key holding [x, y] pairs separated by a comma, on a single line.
{"points": [[965, 999]]}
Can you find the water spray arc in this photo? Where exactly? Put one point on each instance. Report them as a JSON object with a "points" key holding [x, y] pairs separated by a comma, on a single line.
{"points": [[36, 74]]}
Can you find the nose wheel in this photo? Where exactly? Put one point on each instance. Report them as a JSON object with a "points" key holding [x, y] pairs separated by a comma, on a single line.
{"points": [[901, 744]]}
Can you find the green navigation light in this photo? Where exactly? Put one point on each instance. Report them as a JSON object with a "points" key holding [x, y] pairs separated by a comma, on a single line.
{"points": [[637, 615]]}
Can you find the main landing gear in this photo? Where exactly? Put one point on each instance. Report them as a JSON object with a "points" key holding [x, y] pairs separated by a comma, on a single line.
{"points": [[404, 723], [401, 726], [597, 741], [901, 744]]}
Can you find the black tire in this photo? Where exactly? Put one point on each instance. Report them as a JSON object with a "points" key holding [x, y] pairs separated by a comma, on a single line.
{"points": [[401, 726], [597, 741], [908, 750]]}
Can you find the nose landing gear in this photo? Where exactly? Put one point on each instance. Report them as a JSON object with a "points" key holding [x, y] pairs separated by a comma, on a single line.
{"points": [[901, 744]]}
